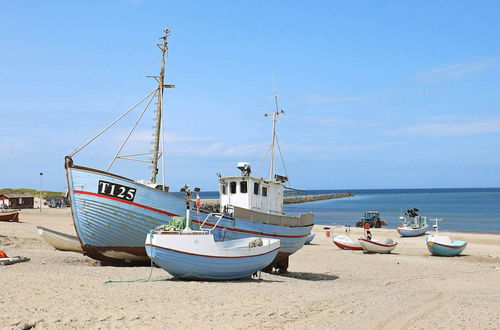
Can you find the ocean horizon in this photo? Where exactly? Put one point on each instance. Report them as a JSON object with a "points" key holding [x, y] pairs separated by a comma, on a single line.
{"points": [[462, 209]]}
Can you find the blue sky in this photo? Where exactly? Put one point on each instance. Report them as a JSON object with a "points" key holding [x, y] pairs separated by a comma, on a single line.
{"points": [[377, 94]]}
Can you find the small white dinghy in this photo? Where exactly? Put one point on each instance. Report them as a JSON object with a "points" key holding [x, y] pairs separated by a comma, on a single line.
{"points": [[345, 242], [60, 241], [376, 246]]}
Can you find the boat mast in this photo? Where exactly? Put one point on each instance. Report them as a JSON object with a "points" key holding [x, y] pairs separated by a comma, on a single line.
{"points": [[275, 114], [159, 111]]}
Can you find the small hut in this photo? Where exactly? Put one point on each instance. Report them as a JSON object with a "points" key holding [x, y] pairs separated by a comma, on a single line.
{"points": [[17, 200]]}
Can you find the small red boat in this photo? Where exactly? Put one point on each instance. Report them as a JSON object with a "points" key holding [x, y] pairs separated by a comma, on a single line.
{"points": [[9, 215]]}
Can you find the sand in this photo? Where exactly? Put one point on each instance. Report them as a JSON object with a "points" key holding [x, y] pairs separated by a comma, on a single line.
{"points": [[326, 288]]}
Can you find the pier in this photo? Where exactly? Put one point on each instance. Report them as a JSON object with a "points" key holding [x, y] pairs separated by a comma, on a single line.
{"points": [[213, 205]]}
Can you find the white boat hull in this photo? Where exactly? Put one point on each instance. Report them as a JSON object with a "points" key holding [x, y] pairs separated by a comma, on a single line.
{"points": [[408, 231], [346, 243], [376, 246], [195, 255], [60, 241]]}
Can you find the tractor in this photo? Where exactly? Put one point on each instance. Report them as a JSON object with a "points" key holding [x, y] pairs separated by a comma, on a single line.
{"points": [[373, 218]]}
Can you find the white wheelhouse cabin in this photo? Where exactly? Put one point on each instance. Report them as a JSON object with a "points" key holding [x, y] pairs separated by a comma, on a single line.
{"points": [[254, 194]]}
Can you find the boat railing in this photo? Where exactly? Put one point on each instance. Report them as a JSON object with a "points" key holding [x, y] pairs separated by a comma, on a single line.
{"points": [[218, 216]]}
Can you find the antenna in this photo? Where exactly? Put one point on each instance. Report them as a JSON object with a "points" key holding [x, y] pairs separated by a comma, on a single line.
{"points": [[159, 105], [275, 114]]}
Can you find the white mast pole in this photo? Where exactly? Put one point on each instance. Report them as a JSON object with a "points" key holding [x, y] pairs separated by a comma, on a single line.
{"points": [[275, 114]]}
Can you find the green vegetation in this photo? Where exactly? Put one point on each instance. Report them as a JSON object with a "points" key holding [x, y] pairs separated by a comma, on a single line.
{"points": [[34, 192]]}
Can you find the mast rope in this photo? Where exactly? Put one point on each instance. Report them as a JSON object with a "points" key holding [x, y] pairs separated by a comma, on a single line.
{"points": [[131, 131], [282, 160], [263, 158], [77, 150], [129, 91]]}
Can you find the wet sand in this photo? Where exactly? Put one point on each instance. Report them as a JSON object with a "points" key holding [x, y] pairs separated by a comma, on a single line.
{"points": [[326, 288]]}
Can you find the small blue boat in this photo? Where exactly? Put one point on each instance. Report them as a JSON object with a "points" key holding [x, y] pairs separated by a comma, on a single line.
{"points": [[444, 246], [440, 245], [196, 255]]}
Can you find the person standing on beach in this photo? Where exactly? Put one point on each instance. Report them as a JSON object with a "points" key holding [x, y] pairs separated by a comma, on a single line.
{"points": [[368, 234]]}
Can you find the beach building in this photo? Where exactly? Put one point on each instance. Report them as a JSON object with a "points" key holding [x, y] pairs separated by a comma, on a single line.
{"points": [[18, 200]]}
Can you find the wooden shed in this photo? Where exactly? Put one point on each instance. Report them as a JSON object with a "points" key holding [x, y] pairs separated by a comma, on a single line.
{"points": [[18, 201]]}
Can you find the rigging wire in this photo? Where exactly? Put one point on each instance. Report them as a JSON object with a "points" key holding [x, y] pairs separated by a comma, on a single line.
{"points": [[282, 160], [77, 150], [132, 87], [263, 158], [131, 131]]}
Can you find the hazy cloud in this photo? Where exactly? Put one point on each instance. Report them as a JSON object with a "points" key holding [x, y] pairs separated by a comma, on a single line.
{"points": [[329, 99], [453, 126], [458, 70]]}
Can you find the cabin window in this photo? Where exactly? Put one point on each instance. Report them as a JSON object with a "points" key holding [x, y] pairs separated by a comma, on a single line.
{"points": [[243, 187], [232, 187], [264, 191], [223, 189], [256, 188]]}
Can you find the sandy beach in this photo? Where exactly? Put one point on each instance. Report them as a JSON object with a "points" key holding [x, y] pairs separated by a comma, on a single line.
{"points": [[326, 288]]}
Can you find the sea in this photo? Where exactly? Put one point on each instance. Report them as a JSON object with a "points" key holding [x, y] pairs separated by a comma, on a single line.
{"points": [[462, 210]]}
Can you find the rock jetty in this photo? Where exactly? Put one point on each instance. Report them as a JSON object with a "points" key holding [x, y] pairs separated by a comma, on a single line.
{"points": [[213, 205], [312, 198]]}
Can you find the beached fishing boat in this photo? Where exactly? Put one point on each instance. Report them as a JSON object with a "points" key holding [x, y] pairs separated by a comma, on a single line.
{"points": [[60, 241], [195, 254], [377, 246], [412, 224], [345, 242], [112, 213], [9, 215], [440, 245]]}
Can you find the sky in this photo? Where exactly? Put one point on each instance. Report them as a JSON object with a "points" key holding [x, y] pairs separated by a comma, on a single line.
{"points": [[376, 94]]}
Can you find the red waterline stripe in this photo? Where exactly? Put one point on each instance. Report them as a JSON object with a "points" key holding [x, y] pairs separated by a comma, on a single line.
{"points": [[124, 201], [251, 232], [347, 247], [175, 215], [207, 256]]}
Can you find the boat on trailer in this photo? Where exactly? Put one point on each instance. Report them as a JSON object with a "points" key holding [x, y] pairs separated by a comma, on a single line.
{"points": [[440, 245], [113, 213], [60, 241], [412, 224]]}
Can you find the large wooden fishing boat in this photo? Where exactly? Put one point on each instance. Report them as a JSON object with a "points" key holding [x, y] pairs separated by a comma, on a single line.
{"points": [[112, 213]]}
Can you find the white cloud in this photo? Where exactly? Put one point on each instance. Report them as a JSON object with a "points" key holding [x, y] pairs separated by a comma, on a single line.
{"points": [[337, 121], [458, 70], [452, 126], [329, 99]]}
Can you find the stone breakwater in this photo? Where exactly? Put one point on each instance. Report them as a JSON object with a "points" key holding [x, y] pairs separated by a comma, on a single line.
{"points": [[312, 198], [213, 205]]}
